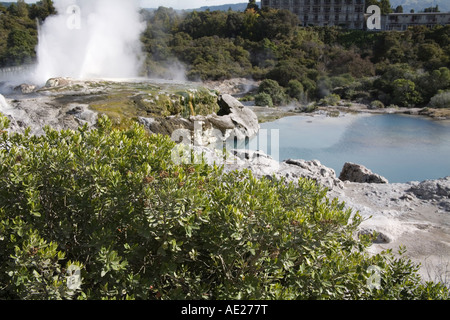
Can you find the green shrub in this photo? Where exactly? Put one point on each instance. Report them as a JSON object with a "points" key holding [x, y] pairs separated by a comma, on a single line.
{"points": [[440, 100], [376, 104], [263, 99], [295, 90], [111, 203], [405, 93], [272, 88], [330, 100], [309, 108]]}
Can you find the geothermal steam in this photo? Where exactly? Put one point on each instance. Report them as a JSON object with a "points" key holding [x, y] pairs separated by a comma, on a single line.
{"points": [[90, 39]]}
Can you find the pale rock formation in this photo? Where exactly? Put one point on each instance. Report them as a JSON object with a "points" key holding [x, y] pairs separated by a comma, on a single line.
{"points": [[232, 120]]}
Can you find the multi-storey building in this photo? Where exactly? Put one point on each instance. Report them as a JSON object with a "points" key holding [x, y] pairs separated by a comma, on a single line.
{"points": [[345, 13], [401, 21], [350, 14]]}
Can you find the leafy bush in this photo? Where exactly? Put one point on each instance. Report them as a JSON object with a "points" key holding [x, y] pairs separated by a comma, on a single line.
{"points": [[263, 99], [330, 100], [272, 88], [111, 203], [295, 90], [440, 100], [286, 71], [405, 93], [376, 104]]}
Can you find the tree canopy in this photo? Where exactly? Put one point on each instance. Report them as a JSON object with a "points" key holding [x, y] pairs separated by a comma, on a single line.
{"points": [[18, 30], [270, 44]]}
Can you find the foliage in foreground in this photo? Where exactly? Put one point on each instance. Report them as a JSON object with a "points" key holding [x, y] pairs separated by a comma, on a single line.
{"points": [[140, 227]]}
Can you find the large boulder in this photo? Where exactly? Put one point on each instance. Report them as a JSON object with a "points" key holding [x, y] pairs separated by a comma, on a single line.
{"points": [[25, 88], [235, 116], [57, 82], [166, 125], [314, 170], [232, 120], [358, 173], [263, 165]]}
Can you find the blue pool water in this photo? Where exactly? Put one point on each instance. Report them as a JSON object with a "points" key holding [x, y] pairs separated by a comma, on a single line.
{"points": [[398, 147]]}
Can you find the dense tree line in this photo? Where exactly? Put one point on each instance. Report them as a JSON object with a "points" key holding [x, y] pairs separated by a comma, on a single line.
{"points": [[308, 63], [18, 30], [391, 68]]}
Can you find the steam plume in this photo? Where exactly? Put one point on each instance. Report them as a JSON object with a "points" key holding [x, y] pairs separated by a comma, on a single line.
{"points": [[90, 39]]}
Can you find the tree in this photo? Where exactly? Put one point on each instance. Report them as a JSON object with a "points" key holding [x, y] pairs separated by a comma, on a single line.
{"points": [[234, 24], [13, 10], [20, 47], [42, 9], [440, 100], [431, 83], [263, 99], [385, 5], [399, 9], [405, 93], [432, 9], [252, 6], [22, 9], [272, 88], [431, 54], [341, 61], [287, 70], [295, 90]]}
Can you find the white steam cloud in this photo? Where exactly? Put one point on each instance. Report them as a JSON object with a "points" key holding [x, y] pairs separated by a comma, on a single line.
{"points": [[90, 39]]}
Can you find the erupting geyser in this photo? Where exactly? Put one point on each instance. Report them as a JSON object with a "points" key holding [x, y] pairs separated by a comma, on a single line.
{"points": [[90, 39]]}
